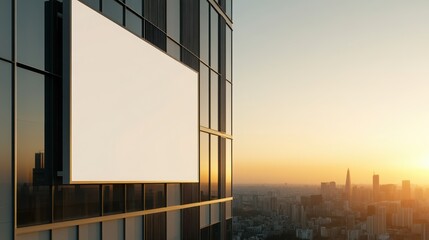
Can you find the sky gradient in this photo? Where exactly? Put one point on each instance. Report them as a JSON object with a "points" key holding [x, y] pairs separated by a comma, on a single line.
{"points": [[322, 86]]}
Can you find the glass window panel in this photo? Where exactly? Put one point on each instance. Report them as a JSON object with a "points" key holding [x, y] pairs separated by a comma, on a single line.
{"points": [[173, 49], [204, 166], [214, 167], [134, 197], [76, 201], [135, 5], [228, 210], [229, 8], [173, 19], [190, 193], [155, 36], [113, 198], [214, 39], [204, 95], [154, 11], [204, 31], [94, 4], [155, 226], [33, 177], [133, 23], [154, 196], [113, 10], [228, 114], [32, 32], [214, 101], [191, 223], [205, 233], [228, 168], [173, 194], [6, 202], [190, 59], [228, 53], [204, 216], [6, 29], [229, 229], [215, 231], [214, 213]]}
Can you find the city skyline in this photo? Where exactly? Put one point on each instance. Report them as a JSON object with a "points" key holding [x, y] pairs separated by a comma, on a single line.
{"points": [[334, 85]]}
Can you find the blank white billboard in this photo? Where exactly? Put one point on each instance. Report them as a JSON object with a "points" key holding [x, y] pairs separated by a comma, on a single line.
{"points": [[134, 109]]}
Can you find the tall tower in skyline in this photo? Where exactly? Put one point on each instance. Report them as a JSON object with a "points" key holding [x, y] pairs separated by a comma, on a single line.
{"points": [[348, 188], [406, 189], [375, 187]]}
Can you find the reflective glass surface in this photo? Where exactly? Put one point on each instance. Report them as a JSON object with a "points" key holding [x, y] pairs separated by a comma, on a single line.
{"points": [[135, 5], [113, 198], [173, 49], [155, 11], [134, 197], [6, 29], [190, 193], [113, 10], [6, 144], [154, 196], [228, 168], [214, 101], [76, 201], [33, 176], [214, 39], [94, 4], [228, 53], [155, 226], [191, 223], [173, 19], [229, 8], [133, 23], [204, 166], [228, 110], [214, 167], [204, 31], [33, 31], [204, 95]]}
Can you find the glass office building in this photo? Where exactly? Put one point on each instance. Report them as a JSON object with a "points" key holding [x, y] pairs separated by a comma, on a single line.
{"points": [[38, 199]]}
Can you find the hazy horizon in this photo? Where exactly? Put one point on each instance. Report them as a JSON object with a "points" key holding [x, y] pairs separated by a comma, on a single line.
{"points": [[322, 86]]}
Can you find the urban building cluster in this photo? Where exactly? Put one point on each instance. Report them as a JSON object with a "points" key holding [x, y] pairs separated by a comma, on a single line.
{"points": [[331, 211]]}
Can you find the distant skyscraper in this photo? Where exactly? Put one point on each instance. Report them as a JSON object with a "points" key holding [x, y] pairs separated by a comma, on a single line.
{"points": [[406, 189], [375, 187], [348, 188]]}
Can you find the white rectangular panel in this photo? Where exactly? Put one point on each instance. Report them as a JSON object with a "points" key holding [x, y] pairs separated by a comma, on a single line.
{"points": [[134, 109]]}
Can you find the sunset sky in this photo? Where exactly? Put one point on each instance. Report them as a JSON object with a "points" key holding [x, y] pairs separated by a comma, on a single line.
{"points": [[322, 86]]}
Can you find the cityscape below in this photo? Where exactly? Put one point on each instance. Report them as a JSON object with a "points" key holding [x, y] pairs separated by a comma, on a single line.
{"points": [[331, 211]]}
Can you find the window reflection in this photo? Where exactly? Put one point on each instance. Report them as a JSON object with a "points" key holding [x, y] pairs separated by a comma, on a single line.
{"points": [[155, 226], [228, 113], [113, 10], [134, 197], [204, 31], [214, 39], [190, 193], [33, 32], [113, 198], [6, 29], [204, 95], [204, 166], [154, 196], [228, 168], [135, 5], [133, 23], [228, 53], [76, 201], [214, 167], [214, 101], [173, 19]]}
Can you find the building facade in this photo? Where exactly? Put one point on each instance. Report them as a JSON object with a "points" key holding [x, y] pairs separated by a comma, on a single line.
{"points": [[36, 200]]}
